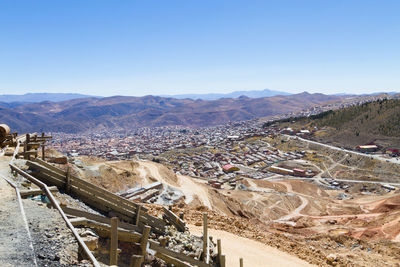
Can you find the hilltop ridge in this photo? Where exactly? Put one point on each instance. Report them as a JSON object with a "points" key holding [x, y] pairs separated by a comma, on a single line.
{"points": [[371, 122], [122, 112]]}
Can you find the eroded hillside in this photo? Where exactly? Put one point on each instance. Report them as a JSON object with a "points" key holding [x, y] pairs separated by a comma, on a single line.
{"points": [[287, 214]]}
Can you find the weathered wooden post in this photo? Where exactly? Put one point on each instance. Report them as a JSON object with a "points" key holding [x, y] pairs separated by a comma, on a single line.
{"points": [[145, 237], [222, 263], [43, 147], [114, 241], [27, 140], [219, 247], [163, 242], [136, 261], [138, 209], [205, 239], [241, 262]]}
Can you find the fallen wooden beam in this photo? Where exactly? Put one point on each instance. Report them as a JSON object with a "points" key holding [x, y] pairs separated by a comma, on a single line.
{"points": [[104, 230], [174, 220], [133, 192], [97, 218], [171, 260], [146, 195], [35, 192], [180, 256], [78, 221]]}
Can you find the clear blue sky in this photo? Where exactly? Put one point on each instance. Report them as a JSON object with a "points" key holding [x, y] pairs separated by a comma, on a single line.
{"points": [[172, 47]]}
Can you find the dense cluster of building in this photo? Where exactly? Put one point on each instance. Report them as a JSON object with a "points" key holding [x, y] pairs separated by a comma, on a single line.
{"points": [[241, 157], [150, 141], [223, 147]]}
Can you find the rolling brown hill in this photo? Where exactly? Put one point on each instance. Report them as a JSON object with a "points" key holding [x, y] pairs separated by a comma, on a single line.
{"points": [[121, 112]]}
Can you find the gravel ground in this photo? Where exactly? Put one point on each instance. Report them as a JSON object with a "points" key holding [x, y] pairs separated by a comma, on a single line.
{"points": [[14, 240], [53, 241]]}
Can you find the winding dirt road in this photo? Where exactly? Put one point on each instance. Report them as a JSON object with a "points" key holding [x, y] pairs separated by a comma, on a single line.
{"points": [[252, 252]]}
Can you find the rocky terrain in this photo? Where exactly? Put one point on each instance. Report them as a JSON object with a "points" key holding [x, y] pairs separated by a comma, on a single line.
{"points": [[302, 218]]}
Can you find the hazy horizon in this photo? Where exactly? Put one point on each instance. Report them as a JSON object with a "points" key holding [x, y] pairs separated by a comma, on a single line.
{"points": [[194, 94]]}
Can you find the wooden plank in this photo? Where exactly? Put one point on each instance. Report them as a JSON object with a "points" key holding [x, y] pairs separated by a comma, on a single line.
{"points": [[180, 256], [170, 260], [93, 197], [149, 194], [123, 235], [46, 169], [104, 230], [49, 166], [35, 192], [139, 191], [78, 221], [48, 179], [97, 218], [174, 220]]}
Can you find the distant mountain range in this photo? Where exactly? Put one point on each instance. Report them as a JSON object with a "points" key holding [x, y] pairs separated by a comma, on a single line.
{"points": [[124, 112], [9, 100], [57, 97], [251, 94], [39, 97]]}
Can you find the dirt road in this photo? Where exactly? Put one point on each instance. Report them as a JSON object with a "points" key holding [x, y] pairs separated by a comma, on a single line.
{"points": [[378, 157], [295, 212], [252, 252]]}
